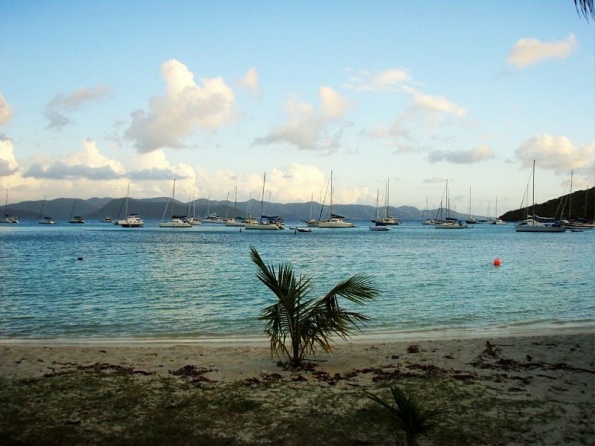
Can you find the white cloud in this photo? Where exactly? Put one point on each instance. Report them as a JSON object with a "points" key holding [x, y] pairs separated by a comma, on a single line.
{"points": [[184, 107], [433, 104], [530, 51], [310, 128], [57, 109], [463, 156], [556, 153], [383, 81], [333, 104], [5, 110], [8, 162], [250, 80], [425, 110], [87, 164]]}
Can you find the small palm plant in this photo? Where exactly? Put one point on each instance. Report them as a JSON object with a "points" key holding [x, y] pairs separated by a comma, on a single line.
{"points": [[410, 414], [297, 325]]}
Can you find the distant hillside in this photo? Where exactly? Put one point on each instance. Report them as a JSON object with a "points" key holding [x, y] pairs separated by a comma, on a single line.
{"points": [[153, 209], [579, 204], [582, 203]]}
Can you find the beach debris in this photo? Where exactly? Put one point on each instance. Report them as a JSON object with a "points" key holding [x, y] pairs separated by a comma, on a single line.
{"points": [[491, 351], [413, 349]]}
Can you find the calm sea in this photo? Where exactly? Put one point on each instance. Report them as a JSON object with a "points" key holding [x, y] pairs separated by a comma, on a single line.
{"points": [[161, 283]]}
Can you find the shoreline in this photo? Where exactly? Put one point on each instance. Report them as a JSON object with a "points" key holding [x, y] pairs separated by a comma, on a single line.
{"points": [[521, 330], [231, 361]]}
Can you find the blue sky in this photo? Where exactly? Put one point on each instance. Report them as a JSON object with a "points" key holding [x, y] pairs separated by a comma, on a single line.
{"points": [[98, 95]]}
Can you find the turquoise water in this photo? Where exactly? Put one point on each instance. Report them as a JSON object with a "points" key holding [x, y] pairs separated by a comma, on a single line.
{"points": [[200, 283]]}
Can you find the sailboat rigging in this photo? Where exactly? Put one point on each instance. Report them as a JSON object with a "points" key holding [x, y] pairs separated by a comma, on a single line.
{"points": [[532, 224]]}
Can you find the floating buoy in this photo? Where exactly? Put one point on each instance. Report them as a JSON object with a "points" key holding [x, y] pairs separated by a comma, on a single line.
{"points": [[497, 262], [79, 258]]}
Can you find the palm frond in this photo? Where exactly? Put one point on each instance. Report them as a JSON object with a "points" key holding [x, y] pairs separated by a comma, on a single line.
{"points": [[296, 325], [357, 289], [410, 414], [586, 8]]}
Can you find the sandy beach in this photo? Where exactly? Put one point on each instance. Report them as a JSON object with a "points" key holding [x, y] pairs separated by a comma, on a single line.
{"points": [[521, 390]]}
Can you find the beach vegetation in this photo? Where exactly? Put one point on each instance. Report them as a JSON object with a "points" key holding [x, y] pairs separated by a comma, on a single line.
{"points": [[296, 324], [410, 415]]}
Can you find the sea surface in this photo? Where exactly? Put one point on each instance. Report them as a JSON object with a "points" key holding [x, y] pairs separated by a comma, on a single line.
{"points": [[99, 281]]}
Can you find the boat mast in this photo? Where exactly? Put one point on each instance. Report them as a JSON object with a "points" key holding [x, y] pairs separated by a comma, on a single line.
{"points": [[533, 193], [331, 206], [387, 196], [264, 179], [570, 200]]}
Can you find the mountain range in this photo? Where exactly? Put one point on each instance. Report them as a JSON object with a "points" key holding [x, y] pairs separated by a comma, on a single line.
{"points": [[153, 209]]}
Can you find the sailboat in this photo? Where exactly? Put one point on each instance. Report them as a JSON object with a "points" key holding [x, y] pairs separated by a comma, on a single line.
{"points": [[531, 224], [75, 219], [471, 220], [311, 222], [8, 218], [497, 220], [175, 221], [427, 221], [576, 224], [387, 220], [235, 221], [266, 223], [449, 222], [334, 221], [378, 227], [131, 220], [44, 220]]}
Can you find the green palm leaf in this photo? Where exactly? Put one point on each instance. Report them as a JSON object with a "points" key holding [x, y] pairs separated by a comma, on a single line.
{"points": [[297, 325]]}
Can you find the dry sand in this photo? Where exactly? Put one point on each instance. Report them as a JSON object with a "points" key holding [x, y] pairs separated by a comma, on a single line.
{"points": [[556, 373]]}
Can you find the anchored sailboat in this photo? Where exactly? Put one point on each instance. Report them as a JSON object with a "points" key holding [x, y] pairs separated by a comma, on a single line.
{"points": [[334, 221]]}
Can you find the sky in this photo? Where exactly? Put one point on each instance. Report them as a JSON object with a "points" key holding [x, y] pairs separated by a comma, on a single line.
{"points": [[101, 97]]}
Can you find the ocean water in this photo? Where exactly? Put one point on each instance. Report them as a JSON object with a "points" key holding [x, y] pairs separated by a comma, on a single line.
{"points": [[156, 283]]}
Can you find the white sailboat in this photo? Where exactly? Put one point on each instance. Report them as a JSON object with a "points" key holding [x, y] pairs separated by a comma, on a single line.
{"points": [[311, 222], [44, 220], [131, 220], [532, 224], [378, 227], [387, 220], [266, 223], [497, 220], [174, 222], [75, 219], [449, 222], [334, 221], [573, 223], [471, 220], [8, 218], [235, 221]]}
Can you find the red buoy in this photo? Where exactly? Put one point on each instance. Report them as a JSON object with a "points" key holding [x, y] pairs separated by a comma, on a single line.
{"points": [[497, 262]]}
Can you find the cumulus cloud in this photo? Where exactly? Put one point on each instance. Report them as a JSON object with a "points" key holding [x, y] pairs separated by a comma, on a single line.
{"points": [[556, 153], [309, 127], [5, 110], [57, 109], [184, 107], [8, 163], [88, 164], [425, 110], [530, 51], [250, 80], [382, 81], [463, 156], [433, 104]]}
